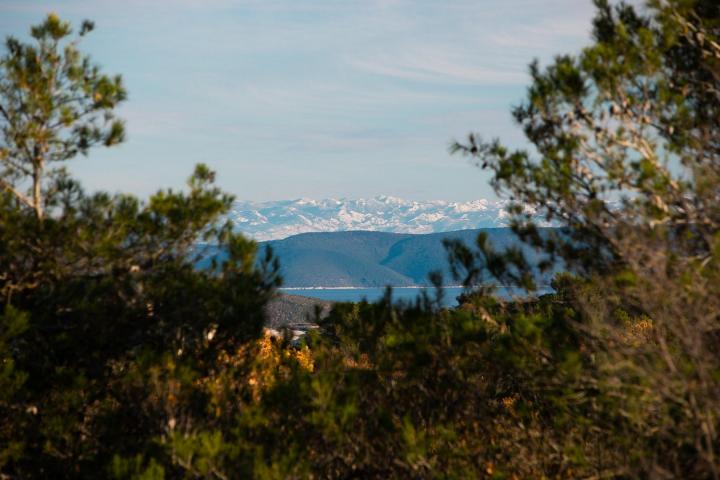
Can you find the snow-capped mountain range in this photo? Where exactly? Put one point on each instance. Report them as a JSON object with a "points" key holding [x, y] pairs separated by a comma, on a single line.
{"points": [[280, 219]]}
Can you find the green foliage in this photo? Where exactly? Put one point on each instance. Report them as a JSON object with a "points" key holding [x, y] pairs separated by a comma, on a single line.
{"points": [[12, 324], [626, 161], [54, 104], [115, 311], [134, 468], [120, 358], [107, 325]]}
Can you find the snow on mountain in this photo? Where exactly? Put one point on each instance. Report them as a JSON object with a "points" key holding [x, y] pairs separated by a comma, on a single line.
{"points": [[280, 219]]}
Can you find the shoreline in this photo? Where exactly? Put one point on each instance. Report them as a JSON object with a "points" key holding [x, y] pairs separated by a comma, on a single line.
{"points": [[365, 288], [417, 287]]}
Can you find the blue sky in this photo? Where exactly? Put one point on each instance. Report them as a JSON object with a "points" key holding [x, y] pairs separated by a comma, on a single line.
{"points": [[309, 98]]}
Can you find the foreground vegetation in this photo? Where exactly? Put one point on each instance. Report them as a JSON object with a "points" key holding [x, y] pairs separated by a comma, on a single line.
{"points": [[119, 359]]}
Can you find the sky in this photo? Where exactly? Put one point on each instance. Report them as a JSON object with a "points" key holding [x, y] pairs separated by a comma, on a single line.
{"points": [[307, 98]]}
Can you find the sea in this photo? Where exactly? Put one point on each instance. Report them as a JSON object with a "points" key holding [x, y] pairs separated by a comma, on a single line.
{"points": [[351, 294]]}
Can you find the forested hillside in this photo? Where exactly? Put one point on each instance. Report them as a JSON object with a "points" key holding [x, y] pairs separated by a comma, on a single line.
{"points": [[377, 259], [290, 311]]}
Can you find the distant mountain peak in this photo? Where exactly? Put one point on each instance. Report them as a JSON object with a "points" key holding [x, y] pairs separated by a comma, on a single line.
{"points": [[383, 213]]}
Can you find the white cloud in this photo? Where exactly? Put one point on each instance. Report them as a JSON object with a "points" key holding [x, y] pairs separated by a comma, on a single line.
{"points": [[438, 66]]}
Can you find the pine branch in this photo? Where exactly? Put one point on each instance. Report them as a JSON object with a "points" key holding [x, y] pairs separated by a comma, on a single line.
{"points": [[18, 194]]}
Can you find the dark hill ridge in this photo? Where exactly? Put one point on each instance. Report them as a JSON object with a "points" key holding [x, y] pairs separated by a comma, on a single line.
{"points": [[294, 311], [338, 259], [373, 259]]}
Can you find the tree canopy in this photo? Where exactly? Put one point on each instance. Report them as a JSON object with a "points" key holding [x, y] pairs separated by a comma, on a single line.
{"points": [[54, 104]]}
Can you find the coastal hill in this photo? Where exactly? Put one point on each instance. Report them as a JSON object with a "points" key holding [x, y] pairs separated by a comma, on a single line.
{"points": [[373, 259], [294, 311]]}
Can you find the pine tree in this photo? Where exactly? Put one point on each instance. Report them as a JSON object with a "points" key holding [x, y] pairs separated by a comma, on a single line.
{"points": [[54, 104]]}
